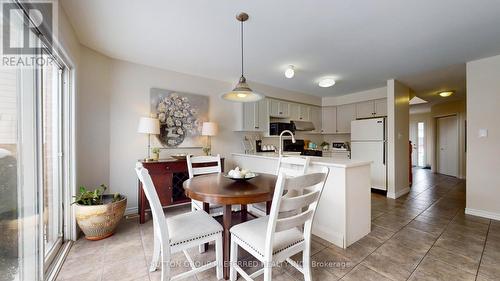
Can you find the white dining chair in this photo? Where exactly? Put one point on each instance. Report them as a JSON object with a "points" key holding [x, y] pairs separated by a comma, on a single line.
{"points": [[290, 165], [215, 210], [284, 237], [179, 233]]}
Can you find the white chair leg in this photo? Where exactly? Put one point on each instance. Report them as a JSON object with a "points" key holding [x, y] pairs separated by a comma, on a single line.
{"points": [[218, 257], [268, 271], [165, 267], [306, 263], [156, 255], [233, 260]]}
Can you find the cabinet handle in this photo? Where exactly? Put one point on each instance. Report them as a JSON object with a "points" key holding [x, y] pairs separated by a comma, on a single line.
{"points": [[168, 168]]}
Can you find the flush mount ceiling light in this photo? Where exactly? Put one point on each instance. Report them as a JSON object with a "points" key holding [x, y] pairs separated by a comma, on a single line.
{"points": [[242, 92], [290, 72], [326, 82], [445, 94]]}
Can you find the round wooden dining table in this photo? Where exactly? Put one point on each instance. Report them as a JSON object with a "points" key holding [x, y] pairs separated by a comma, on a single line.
{"points": [[217, 189]]}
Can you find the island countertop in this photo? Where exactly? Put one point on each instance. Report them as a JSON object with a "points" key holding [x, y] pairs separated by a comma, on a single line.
{"points": [[326, 161], [343, 215]]}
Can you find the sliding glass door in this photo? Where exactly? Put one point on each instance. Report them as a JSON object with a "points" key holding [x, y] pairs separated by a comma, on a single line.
{"points": [[50, 163], [33, 138]]}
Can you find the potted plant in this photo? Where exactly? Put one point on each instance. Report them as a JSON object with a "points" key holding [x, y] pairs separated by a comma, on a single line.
{"points": [[98, 214], [324, 145], [156, 153]]}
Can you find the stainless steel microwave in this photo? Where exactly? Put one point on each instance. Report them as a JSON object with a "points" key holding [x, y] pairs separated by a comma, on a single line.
{"points": [[275, 128]]}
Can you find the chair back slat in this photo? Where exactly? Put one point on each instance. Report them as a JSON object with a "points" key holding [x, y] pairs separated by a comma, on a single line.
{"points": [[293, 221], [197, 160], [296, 210], [301, 183], [298, 202], [159, 222]]}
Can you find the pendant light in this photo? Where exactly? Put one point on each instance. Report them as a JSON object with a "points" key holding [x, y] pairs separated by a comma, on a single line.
{"points": [[242, 92]]}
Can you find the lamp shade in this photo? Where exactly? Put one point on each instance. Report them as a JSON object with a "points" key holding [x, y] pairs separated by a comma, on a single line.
{"points": [[209, 129], [149, 125]]}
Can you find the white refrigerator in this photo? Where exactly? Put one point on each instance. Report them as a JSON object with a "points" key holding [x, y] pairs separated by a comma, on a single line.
{"points": [[368, 142]]}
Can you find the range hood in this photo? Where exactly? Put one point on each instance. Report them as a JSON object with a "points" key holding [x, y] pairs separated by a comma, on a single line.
{"points": [[303, 126]]}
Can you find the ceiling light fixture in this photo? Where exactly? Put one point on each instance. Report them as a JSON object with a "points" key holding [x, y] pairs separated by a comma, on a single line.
{"points": [[445, 94], [326, 82], [242, 92], [290, 72]]}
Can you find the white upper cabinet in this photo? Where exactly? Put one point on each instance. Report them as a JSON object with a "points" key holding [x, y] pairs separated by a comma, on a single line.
{"points": [[364, 109], [329, 120], [299, 112], [372, 108], [256, 116], [304, 112], [294, 111], [279, 108], [315, 117], [345, 114], [380, 107]]}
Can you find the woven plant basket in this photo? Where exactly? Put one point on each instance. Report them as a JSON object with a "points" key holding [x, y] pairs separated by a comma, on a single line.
{"points": [[100, 221]]}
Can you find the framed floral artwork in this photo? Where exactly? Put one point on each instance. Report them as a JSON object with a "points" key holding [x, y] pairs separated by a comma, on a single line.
{"points": [[181, 117]]}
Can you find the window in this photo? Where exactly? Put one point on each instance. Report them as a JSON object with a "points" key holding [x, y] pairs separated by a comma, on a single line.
{"points": [[421, 143]]}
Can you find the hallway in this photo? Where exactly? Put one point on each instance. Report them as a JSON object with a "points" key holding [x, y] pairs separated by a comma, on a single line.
{"points": [[424, 235]]}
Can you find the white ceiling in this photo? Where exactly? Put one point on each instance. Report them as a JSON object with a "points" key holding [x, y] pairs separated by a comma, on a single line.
{"points": [[361, 43]]}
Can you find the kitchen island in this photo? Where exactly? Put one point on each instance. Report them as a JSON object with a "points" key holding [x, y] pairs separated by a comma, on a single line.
{"points": [[344, 210]]}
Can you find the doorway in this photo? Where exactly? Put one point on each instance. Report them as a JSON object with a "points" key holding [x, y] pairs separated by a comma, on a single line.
{"points": [[447, 145], [418, 139]]}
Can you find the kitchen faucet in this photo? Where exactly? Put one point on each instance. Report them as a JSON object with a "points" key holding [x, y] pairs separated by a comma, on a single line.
{"points": [[280, 151]]}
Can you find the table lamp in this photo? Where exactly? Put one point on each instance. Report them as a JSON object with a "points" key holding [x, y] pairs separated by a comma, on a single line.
{"points": [[150, 126], [209, 129]]}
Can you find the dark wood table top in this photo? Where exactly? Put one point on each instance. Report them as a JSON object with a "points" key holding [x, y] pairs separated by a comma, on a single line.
{"points": [[217, 189]]}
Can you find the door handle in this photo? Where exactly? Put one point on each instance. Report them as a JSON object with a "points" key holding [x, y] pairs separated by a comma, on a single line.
{"points": [[383, 156]]}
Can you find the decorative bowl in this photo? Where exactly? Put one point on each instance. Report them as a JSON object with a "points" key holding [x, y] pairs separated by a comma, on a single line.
{"points": [[239, 179], [180, 156]]}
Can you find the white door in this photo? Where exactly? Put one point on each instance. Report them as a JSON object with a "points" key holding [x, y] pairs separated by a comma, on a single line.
{"points": [[413, 139], [372, 151], [447, 144]]}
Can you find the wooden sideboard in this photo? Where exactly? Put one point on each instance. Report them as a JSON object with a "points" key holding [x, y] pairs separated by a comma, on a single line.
{"points": [[168, 176]]}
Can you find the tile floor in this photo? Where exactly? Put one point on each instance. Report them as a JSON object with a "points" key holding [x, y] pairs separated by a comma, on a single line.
{"points": [[424, 235]]}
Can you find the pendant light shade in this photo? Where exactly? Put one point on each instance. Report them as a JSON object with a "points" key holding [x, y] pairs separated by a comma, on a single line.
{"points": [[242, 92]]}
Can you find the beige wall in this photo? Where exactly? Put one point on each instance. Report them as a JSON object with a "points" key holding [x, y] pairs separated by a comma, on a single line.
{"points": [[93, 119], [483, 112], [398, 96]]}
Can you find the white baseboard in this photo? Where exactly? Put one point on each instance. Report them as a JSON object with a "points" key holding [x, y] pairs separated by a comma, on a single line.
{"points": [[395, 195], [131, 210], [483, 214], [335, 238]]}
